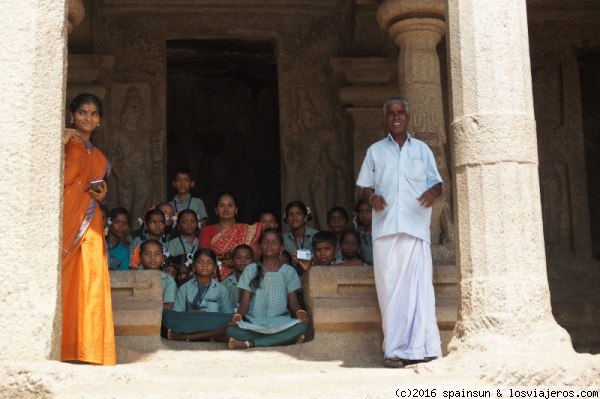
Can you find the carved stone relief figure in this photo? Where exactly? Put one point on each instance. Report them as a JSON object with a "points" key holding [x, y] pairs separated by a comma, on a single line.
{"points": [[553, 167], [135, 151], [314, 155]]}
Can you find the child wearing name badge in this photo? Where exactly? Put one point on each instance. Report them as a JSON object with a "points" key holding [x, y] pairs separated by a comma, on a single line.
{"points": [[154, 228], [152, 258], [242, 256], [187, 243]]}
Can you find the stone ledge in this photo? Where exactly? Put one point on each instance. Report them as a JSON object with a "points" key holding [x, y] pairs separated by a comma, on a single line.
{"points": [[137, 302]]}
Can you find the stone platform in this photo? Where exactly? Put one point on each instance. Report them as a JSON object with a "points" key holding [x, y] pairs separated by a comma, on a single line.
{"points": [[343, 300], [137, 302]]}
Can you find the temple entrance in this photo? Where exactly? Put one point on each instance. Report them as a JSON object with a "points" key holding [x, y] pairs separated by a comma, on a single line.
{"points": [[589, 72], [223, 121]]}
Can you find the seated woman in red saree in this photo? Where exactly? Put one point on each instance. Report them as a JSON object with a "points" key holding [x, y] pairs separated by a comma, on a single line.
{"points": [[87, 318], [224, 236]]}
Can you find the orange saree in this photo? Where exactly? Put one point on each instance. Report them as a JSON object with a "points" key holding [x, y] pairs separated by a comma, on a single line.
{"points": [[87, 318]]}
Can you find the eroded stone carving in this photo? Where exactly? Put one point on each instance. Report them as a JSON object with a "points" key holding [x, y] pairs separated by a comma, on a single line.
{"points": [[553, 166]]}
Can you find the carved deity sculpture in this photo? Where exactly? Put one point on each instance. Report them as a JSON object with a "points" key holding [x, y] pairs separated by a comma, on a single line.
{"points": [[131, 153]]}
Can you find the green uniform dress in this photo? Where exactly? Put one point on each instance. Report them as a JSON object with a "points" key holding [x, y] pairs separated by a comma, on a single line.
{"points": [[268, 321], [213, 300], [291, 245]]}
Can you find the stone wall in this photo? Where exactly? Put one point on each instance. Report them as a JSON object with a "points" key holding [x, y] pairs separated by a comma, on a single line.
{"points": [[32, 98]]}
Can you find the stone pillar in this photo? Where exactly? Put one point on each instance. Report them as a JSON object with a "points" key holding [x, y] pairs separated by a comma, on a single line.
{"points": [[504, 296], [32, 93], [417, 27]]}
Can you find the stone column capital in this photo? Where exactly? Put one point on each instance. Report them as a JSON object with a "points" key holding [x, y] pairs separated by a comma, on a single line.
{"points": [[392, 11], [76, 12], [417, 29]]}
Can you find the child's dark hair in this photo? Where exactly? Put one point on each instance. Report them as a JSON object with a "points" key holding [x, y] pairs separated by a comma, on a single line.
{"points": [[339, 209], [183, 170], [260, 215], [255, 283], [324, 236], [242, 247], [223, 194], [147, 215], [148, 242], [184, 212], [297, 204], [176, 261], [119, 211], [85, 98], [351, 232], [205, 251]]}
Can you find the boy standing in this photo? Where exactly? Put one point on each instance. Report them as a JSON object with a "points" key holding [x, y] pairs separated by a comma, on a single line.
{"points": [[183, 182]]}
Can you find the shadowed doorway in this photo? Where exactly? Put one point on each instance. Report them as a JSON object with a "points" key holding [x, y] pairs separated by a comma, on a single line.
{"points": [[223, 122]]}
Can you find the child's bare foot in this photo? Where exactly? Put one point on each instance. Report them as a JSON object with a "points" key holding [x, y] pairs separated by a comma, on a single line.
{"points": [[171, 336], [300, 339], [237, 344]]}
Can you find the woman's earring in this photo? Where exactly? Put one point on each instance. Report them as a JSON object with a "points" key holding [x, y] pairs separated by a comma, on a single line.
{"points": [[98, 124], [72, 121]]}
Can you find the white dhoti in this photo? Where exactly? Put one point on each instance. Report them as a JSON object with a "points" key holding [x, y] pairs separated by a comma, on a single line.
{"points": [[404, 280]]}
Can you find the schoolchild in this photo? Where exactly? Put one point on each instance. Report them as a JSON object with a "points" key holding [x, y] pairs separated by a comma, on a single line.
{"points": [[268, 289], [337, 221], [170, 219], [243, 255], [364, 217], [350, 249], [202, 305], [152, 258], [187, 243], [118, 227], [154, 228], [183, 183], [300, 236], [268, 220]]}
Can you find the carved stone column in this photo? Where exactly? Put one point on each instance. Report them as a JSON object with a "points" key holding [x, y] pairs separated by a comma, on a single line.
{"points": [[504, 296], [417, 27]]}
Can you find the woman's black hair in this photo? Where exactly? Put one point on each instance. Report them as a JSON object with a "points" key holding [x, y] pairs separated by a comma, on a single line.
{"points": [[297, 204], [86, 98], [339, 209], [255, 283], [223, 194], [119, 211], [176, 261]]}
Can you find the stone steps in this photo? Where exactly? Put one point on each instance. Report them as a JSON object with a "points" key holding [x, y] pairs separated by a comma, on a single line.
{"points": [[136, 302]]}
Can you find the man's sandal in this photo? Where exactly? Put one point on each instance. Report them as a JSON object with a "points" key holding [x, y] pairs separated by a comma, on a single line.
{"points": [[393, 363]]}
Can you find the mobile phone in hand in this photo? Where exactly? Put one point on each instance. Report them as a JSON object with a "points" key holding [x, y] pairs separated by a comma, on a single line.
{"points": [[95, 186]]}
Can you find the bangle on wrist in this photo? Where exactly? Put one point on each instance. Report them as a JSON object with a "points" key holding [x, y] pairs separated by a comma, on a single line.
{"points": [[370, 198], [237, 314], [303, 311]]}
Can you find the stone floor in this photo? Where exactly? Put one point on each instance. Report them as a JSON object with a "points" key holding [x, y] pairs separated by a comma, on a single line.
{"points": [[152, 368]]}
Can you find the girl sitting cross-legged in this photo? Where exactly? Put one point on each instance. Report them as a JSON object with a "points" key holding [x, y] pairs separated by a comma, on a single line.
{"points": [[268, 287], [202, 306]]}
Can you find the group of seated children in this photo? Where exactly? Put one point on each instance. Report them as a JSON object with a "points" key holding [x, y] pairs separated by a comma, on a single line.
{"points": [[256, 306], [200, 307]]}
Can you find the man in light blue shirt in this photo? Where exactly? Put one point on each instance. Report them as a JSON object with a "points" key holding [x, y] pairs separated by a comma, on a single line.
{"points": [[401, 182]]}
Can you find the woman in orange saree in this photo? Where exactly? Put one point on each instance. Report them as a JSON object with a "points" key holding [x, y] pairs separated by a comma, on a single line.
{"points": [[224, 236], [87, 318]]}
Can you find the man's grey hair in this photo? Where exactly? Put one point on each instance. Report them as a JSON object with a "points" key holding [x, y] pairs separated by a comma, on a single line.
{"points": [[398, 100]]}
